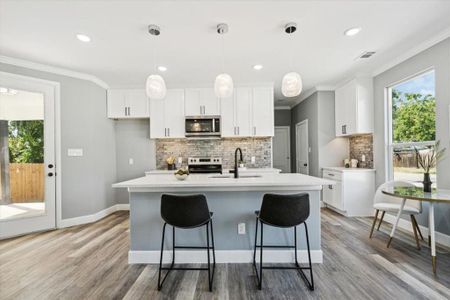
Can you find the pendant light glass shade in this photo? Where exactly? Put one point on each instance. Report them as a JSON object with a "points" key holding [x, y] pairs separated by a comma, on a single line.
{"points": [[155, 87], [223, 86], [291, 85]]}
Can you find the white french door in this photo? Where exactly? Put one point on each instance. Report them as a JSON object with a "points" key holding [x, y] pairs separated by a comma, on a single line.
{"points": [[27, 161], [302, 147]]}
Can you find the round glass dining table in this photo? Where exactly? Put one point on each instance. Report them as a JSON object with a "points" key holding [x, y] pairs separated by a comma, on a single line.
{"points": [[417, 194]]}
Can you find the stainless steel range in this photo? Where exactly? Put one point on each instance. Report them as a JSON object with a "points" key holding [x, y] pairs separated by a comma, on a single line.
{"points": [[205, 164]]}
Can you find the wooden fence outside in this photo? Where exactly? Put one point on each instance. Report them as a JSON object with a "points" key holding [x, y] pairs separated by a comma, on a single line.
{"points": [[26, 182]]}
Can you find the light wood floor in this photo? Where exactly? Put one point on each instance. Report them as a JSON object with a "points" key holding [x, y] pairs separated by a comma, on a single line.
{"points": [[90, 262]]}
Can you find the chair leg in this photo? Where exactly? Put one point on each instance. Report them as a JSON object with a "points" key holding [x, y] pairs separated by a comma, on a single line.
{"points": [[415, 232], [261, 259], [173, 245], [213, 247], [381, 220], [256, 239], [209, 262], [374, 222], [295, 246], [310, 285], [417, 226], [161, 258]]}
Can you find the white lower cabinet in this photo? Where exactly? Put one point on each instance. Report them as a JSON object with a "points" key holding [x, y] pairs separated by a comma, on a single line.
{"points": [[167, 116], [353, 193]]}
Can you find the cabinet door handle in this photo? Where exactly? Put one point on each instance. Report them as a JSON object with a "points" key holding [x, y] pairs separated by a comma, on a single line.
{"points": [[330, 174], [344, 129], [168, 131], [330, 187], [254, 130], [165, 131], [125, 111], [129, 111]]}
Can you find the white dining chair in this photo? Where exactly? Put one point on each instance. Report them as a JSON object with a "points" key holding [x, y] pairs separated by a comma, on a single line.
{"points": [[385, 203]]}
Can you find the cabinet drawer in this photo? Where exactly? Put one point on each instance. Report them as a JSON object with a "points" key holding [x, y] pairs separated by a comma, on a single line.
{"points": [[334, 175]]}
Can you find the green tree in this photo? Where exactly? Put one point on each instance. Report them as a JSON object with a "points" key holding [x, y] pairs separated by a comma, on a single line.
{"points": [[26, 141], [414, 117]]}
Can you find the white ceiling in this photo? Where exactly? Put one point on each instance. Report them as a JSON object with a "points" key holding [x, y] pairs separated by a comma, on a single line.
{"points": [[120, 52]]}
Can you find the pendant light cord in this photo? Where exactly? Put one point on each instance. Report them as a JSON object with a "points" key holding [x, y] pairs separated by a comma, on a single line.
{"points": [[223, 52], [154, 56], [291, 50]]}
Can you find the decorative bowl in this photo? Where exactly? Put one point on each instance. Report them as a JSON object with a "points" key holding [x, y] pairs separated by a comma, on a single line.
{"points": [[181, 176]]}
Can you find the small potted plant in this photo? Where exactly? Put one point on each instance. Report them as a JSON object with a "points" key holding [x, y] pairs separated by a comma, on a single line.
{"points": [[427, 159], [170, 163]]}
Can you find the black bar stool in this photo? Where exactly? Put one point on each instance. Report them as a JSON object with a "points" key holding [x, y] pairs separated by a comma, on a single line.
{"points": [[186, 212], [283, 211]]}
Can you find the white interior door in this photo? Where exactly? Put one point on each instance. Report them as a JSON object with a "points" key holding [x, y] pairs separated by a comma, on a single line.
{"points": [[27, 161], [302, 147], [281, 149]]}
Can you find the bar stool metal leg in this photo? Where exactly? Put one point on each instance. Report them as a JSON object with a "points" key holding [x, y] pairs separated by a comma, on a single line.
{"points": [[261, 258], [161, 259], [209, 267]]}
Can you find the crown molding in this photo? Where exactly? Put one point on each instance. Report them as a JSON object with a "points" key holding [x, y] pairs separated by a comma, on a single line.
{"points": [[413, 51], [51, 69]]}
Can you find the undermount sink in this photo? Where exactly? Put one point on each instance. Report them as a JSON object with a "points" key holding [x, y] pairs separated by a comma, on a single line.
{"points": [[231, 176]]}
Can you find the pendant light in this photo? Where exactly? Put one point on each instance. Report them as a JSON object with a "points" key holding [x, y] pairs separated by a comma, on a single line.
{"points": [[291, 85], [223, 86], [155, 87]]}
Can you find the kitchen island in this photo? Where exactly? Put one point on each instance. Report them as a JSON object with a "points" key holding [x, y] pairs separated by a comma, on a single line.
{"points": [[233, 201]]}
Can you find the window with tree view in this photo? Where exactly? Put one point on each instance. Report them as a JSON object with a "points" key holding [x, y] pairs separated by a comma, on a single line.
{"points": [[412, 125]]}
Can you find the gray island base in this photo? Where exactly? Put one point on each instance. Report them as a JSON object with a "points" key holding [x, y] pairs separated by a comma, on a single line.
{"points": [[233, 201]]}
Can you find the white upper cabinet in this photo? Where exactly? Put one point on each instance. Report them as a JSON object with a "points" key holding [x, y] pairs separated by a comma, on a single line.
{"points": [[127, 104], [249, 112], [263, 112], [243, 111], [167, 116], [228, 127], [354, 107], [201, 101]]}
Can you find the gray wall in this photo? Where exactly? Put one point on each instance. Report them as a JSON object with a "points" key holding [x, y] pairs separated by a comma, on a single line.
{"points": [[326, 149], [132, 141], [283, 117], [438, 57], [86, 181], [307, 109]]}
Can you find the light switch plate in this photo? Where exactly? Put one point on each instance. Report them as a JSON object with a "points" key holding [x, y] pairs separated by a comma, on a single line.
{"points": [[130, 161], [74, 152], [253, 159], [241, 228]]}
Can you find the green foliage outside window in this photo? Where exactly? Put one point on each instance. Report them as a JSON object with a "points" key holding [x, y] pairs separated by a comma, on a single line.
{"points": [[414, 117], [26, 141]]}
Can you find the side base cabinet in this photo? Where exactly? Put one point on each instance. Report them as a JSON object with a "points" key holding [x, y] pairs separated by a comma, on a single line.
{"points": [[353, 193]]}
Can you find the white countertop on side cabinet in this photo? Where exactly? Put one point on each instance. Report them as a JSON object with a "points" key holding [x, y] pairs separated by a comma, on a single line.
{"points": [[343, 169], [214, 182]]}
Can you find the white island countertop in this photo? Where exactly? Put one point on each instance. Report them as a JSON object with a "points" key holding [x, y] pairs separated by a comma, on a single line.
{"points": [[343, 169], [215, 182]]}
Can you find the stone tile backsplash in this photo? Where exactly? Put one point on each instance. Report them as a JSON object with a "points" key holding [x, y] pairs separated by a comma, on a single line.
{"points": [[362, 145], [261, 148]]}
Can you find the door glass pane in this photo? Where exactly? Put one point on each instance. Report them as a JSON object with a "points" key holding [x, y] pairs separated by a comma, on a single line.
{"points": [[22, 154]]}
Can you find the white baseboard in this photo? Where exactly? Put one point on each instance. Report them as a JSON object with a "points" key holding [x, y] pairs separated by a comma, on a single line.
{"points": [[94, 217], [222, 256], [441, 238]]}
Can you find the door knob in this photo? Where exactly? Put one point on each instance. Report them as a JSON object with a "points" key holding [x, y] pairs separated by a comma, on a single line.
{"points": [[50, 174], [50, 166]]}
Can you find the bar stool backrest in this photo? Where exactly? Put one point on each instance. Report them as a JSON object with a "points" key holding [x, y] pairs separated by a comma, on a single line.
{"points": [[185, 211], [284, 210]]}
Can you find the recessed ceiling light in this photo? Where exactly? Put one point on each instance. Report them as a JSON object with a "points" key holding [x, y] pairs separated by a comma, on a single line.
{"points": [[83, 38], [257, 67], [162, 68], [352, 31]]}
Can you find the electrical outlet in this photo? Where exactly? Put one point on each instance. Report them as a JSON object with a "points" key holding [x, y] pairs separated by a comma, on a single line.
{"points": [[130, 161], [253, 159], [363, 158], [241, 228]]}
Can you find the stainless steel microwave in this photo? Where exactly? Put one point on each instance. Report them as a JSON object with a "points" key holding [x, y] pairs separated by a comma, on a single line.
{"points": [[202, 126]]}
